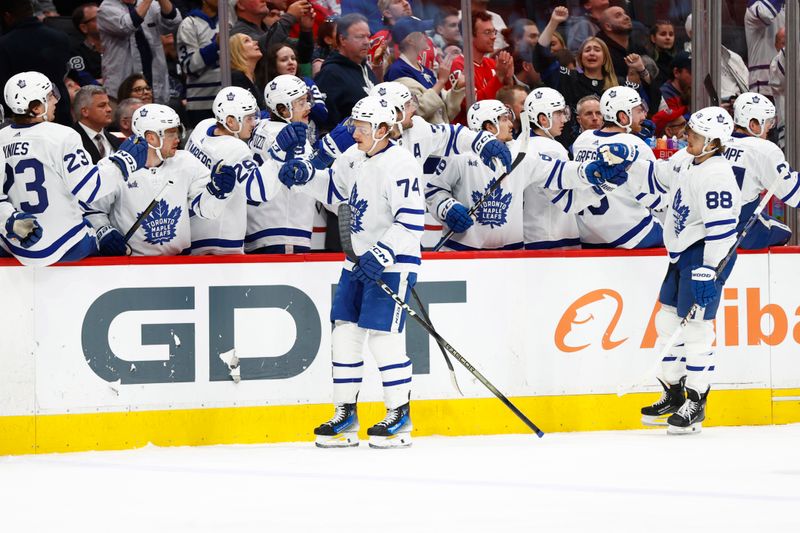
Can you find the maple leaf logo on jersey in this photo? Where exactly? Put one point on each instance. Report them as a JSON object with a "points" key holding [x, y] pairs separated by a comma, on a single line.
{"points": [[493, 212], [358, 206], [680, 212], [159, 226]]}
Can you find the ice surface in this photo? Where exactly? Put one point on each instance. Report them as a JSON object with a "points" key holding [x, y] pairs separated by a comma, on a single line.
{"points": [[725, 479]]}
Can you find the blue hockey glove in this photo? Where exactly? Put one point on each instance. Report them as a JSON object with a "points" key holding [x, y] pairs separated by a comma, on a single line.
{"points": [[111, 242], [372, 263], [703, 285], [647, 131], [455, 215], [616, 154], [296, 172], [24, 227], [605, 176], [223, 180], [131, 155], [492, 148], [292, 136], [332, 146]]}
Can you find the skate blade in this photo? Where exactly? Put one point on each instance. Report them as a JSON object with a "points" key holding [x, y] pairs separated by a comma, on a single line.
{"points": [[649, 420], [400, 440], [693, 429], [342, 440]]}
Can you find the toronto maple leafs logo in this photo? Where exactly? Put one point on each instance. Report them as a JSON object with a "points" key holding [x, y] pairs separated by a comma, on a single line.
{"points": [[230, 96], [493, 212], [613, 94], [756, 99], [273, 86], [680, 212], [358, 206], [720, 118], [382, 91], [143, 112], [538, 95], [21, 84], [159, 226], [476, 106]]}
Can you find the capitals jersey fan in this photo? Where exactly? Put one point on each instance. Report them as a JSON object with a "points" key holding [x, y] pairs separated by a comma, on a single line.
{"points": [[165, 231], [620, 219], [287, 219], [46, 173]]}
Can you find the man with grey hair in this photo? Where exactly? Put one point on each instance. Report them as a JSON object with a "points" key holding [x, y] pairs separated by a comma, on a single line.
{"points": [[588, 113], [92, 112], [123, 116]]}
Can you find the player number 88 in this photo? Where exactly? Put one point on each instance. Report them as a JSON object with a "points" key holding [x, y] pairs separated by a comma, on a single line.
{"points": [[716, 199]]}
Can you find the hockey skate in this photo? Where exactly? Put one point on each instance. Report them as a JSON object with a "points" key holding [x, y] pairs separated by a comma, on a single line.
{"points": [[341, 431], [689, 418], [394, 431], [671, 400]]}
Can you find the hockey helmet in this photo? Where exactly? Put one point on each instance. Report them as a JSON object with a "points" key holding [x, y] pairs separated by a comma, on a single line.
{"points": [[618, 99], [234, 102], [26, 87], [753, 106], [711, 123], [484, 111], [283, 90]]}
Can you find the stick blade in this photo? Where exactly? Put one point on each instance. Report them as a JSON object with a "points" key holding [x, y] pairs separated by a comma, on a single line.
{"points": [[345, 217]]}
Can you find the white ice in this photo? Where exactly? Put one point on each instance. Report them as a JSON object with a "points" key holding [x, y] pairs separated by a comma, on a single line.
{"points": [[725, 479]]}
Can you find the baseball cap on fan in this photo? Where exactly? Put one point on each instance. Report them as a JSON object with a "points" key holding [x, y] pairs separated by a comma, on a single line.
{"points": [[408, 25]]}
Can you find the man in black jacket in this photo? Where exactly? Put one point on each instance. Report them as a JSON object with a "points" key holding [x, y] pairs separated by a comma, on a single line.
{"points": [[93, 114], [345, 77], [27, 45]]}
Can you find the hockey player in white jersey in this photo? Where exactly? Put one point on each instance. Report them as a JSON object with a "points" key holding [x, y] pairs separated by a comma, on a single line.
{"points": [[285, 223], [699, 231], [757, 163], [47, 172], [545, 224], [179, 183], [382, 184], [762, 20], [224, 138], [620, 219]]}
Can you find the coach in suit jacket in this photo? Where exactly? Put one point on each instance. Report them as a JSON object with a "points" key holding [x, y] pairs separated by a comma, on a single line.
{"points": [[93, 112]]}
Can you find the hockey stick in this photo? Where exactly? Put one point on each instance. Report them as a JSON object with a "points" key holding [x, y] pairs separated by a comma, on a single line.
{"points": [[712, 92], [622, 391], [425, 316], [347, 247], [147, 211]]}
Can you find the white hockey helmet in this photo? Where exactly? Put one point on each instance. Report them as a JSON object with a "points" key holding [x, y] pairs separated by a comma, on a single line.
{"points": [[618, 99], [26, 87], [375, 111], [752, 106], [396, 94], [711, 123], [484, 111], [283, 90], [546, 101], [157, 118], [234, 102]]}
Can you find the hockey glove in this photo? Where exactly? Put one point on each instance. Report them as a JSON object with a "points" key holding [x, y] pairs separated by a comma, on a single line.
{"points": [[332, 146], [489, 148], [292, 136], [24, 227], [296, 172], [111, 242], [372, 263], [616, 154], [131, 155], [455, 215], [703, 285], [604, 176], [647, 131], [223, 180]]}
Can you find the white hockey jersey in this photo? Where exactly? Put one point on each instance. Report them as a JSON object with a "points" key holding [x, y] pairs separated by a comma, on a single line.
{"points": [[622, 218], [545, 225], [288, 217], [46, 173], [757, 163], [385, 195], [166, 230], [225, 234], [704, 202], [762, 20]]}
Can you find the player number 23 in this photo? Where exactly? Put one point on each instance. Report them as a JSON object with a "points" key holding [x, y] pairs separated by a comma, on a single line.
{"points": [[716, 199]]}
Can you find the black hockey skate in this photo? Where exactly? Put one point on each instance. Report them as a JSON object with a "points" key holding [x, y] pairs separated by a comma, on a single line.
{"points": [[394, 431], [341, 431], [689, 418], [671, 400]]}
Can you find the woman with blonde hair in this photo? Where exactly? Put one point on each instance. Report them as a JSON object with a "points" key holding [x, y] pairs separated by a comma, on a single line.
{"points": [[245, 54]]}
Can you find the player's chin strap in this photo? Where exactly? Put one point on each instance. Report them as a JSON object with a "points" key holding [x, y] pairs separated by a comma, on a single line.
{"points": [[630, 121], [238, 131], [159, 147], [375, 140], [706, 152], [546, 130]]}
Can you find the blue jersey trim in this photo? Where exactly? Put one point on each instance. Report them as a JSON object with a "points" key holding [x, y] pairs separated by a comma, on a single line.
{"points": [[40, 254], [397, 382], [721, 235], [221, 243], [409, 259], [549, 245], [275, 232], [720, 222], [627, 236], [453, 245], [347, 380], [398, 365], [348, 365]]}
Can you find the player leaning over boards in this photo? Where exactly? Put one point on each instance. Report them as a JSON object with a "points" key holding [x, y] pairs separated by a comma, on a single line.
{"points": [[179, 183], [699, 231], [47, 172], [757, 163], [381, 182]]}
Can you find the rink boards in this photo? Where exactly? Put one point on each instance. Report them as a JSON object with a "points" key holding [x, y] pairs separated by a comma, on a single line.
{"points": [[118, 353]]}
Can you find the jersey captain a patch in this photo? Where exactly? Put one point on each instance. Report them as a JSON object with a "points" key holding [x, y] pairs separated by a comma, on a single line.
{"points": [[160, 225], [494, 211]]}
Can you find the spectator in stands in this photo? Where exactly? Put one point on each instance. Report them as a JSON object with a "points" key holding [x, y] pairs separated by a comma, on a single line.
{"points": [[345, 76], [245, 55], [198, 50], [588, 115], [497, 22], [671, 122], [282, 59], [123, 115], [366, 8], [326, 39], [135, 86], [733, 72], [514, 98], [27, 44], [662, 40], [587, 25], [557, 43], [679, 86], [86, 57], [447, 28], [251, 15], [762, 20], [490, 75], [524, 32], [384, 49], [92, 111], [524, 73], [615, 31], [131, 35]]}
